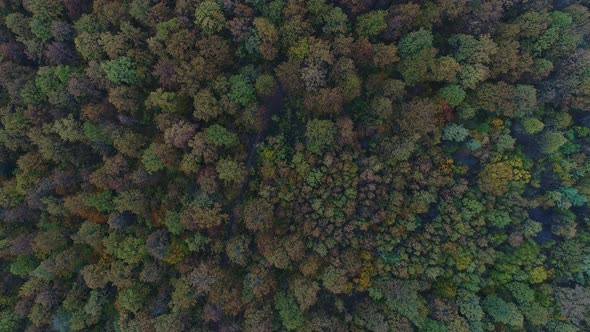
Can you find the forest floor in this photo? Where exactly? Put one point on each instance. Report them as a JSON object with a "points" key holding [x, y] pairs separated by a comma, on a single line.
{"points": [[273, 104]]}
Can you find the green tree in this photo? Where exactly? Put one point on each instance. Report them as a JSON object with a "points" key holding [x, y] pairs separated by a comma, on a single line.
{"points": [[45, 8], [9, 321], [241, 90], [471, 75], [151, 162], [454, 132], [209, 17], [130, 249], [68, 129], [503, 312], [133, 298], [414, 42], [290, 314], [469, 306], [498, 218], [552, 141], [206, 106], [129, 143], [335, 21], [532, 125], [102, 201], [121, 71], [219, 136], [452, 94], [53, 82], [418, 67], [23, 265], [265, 85], [41, 27], [372, 23], [230, 171], [434, 326], [471, 50], [320, 135], [139, 10], [305, 292], [168, 102]]}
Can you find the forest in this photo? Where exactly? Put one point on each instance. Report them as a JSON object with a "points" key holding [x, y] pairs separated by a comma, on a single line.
{"points": [[294, 165]]}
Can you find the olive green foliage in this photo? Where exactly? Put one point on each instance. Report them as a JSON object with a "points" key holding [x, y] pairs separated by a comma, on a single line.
{"points": [[552, 141], [455, 132], [102, 201], [23, 265], [320, 135], [121, 71], [219, 136], [209, 17], [53, 81], [241, 90], [371, 24], [265, 85], [229, 170], [133, 298], [151, 162], [453, 95], [289, 312], [503, 312], [415, 42], [532, 125]]}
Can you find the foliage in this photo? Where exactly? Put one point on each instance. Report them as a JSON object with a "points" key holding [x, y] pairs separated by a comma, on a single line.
{"points": [[294, 165], [209, 17], [132, 298], [532, 125], [320, 135], [452, 94], [241, 90], [265, 85], [414, 42], [290, 314], [229, 171], [151, 162], [503, 312], [121, 71], [552, 141], [219, 136], [455, 132], [371, 24]]}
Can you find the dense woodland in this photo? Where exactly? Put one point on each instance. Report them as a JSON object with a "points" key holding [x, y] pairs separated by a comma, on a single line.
{"points": [[306, 165]]}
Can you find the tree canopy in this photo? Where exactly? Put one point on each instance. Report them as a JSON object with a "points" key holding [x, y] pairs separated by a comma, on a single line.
{"points": [[287, 165]]}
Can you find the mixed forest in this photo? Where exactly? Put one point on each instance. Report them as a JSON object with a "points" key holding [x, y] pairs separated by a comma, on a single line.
{"points": [[294, 165]]}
